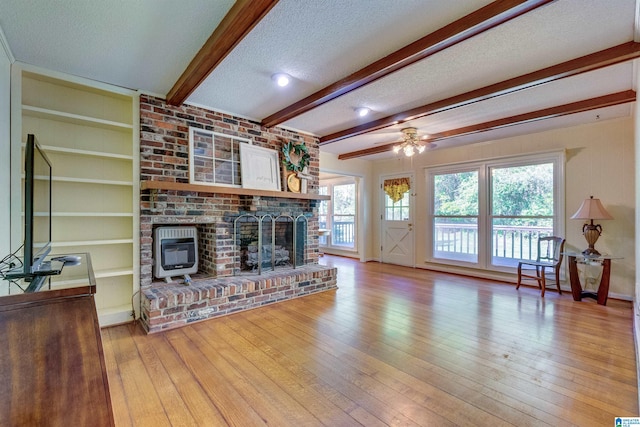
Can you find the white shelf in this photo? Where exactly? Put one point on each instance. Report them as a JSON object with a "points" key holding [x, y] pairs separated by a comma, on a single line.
{"points": [[87, 214], [98, 274], [75, 151], [91, 242], [69, 283], [85, 180], [113, 272], [60, 116]]}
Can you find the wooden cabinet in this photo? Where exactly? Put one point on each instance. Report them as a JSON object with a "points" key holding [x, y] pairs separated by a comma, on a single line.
{"points": [[53, 370], [90, 132]]}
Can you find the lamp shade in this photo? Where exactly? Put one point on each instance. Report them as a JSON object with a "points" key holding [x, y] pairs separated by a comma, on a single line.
{"points": [[591, 209]]}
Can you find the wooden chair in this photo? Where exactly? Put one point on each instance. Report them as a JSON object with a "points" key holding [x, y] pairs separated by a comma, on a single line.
{"points": [[549, 258]]}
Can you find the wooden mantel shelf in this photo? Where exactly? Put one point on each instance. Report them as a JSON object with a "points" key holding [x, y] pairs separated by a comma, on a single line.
{"points": [[179, 186]]}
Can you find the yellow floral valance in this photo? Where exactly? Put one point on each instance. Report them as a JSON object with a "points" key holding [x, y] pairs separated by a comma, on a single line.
{"points": [[395, 188]]}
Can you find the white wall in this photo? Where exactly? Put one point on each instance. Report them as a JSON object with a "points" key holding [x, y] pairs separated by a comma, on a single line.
{"points": [[5, 146], [600, 162]]}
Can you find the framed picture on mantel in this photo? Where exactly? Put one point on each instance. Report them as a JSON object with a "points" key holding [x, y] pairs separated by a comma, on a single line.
{"points": [[260, 168]]}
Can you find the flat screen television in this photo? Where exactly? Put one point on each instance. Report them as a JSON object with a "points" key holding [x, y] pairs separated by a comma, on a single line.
{"points": [[37, 219], [37, 207]]}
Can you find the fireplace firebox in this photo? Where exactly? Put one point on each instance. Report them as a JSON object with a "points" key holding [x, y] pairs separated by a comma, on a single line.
{"points": [[269, 241]]}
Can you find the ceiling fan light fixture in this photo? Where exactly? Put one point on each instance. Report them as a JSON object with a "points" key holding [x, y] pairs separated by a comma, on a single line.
{"points": [[409, 150], [281, 79], [411, 144], [362, 111]]}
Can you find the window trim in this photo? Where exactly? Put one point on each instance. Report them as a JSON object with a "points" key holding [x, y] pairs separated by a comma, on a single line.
{"points": [[557, 157], [431, 216]]}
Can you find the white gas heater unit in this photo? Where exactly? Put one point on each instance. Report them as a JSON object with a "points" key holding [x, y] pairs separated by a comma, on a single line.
{"points": [[175, 253]]}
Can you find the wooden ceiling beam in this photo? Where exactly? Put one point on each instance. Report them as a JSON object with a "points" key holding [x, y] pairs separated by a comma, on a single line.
{"points": [[237, 23], [594, 61], [377, 149], [481, 20], [547, 113]]}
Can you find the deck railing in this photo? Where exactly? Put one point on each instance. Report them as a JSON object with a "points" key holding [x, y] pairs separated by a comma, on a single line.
{"points": [[342, 232], [509, 242]]}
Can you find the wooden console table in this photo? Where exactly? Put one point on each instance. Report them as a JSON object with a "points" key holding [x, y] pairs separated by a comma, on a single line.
{"points": [[576, 287], [52, 368]]}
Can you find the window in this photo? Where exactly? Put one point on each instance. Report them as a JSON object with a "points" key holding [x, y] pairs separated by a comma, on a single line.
{"points": [[338, 215], [492, 213], [455, 216], [397, 211], [522, 207], [214, 158]]}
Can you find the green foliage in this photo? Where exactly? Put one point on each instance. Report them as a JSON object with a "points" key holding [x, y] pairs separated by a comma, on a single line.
{"points": [[456, 194], [523, 191], [516, 191], [300, 159]]}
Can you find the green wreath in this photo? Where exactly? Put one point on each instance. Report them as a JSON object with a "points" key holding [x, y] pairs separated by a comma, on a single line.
{"points": [[300, 151]]}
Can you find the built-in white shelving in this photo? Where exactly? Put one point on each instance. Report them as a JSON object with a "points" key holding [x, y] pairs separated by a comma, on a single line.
{"points": [[89, 131]]}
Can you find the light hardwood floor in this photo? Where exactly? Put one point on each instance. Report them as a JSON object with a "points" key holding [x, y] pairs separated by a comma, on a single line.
{"points": [[392, 346]]}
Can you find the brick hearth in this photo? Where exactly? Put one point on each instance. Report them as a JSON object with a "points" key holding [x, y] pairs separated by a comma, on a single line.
{"points": [[171, 305]]}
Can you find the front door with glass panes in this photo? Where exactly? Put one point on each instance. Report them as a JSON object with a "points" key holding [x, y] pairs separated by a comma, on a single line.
{"points": [[397, 220]]}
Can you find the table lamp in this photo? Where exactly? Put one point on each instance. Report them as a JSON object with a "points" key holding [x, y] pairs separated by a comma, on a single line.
{"points": [[591, 209]]}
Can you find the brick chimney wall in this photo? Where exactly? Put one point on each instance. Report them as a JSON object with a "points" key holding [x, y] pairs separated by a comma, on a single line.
{"points": [[164, 156]]}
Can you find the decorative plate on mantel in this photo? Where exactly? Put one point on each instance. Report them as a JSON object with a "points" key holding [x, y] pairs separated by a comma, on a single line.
{"points": [[293, 182]]}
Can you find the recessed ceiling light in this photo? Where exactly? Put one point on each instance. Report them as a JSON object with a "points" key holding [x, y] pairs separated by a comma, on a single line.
{"points": [[362, 111], [281, 79]]}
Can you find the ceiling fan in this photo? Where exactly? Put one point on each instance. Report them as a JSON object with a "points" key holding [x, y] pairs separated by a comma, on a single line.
{"points": [[411, 144]]}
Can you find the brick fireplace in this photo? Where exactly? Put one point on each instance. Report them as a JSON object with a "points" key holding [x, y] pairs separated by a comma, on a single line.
{"points": [[217, 288]]}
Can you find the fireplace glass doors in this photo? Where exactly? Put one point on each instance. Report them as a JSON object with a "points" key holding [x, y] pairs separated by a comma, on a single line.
{"points": [[267, 242]]}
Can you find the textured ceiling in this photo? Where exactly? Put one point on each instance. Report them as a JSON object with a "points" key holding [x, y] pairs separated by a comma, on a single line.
{"points": [[147, 44], [140, 44], [317, 43]]}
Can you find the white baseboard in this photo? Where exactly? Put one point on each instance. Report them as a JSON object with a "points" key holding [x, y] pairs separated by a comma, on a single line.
{"points": [[503, 277], [114, 317]]}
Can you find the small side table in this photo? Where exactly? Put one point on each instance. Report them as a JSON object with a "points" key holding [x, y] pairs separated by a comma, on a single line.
{"points": [[323, 232], [576, 287]]}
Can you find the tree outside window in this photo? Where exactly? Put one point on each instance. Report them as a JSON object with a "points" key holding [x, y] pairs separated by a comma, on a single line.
{"points": [[522, 211], [455, 216]]}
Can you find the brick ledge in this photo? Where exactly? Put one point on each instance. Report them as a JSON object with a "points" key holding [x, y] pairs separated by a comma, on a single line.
{"points": [[170, 305]]}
